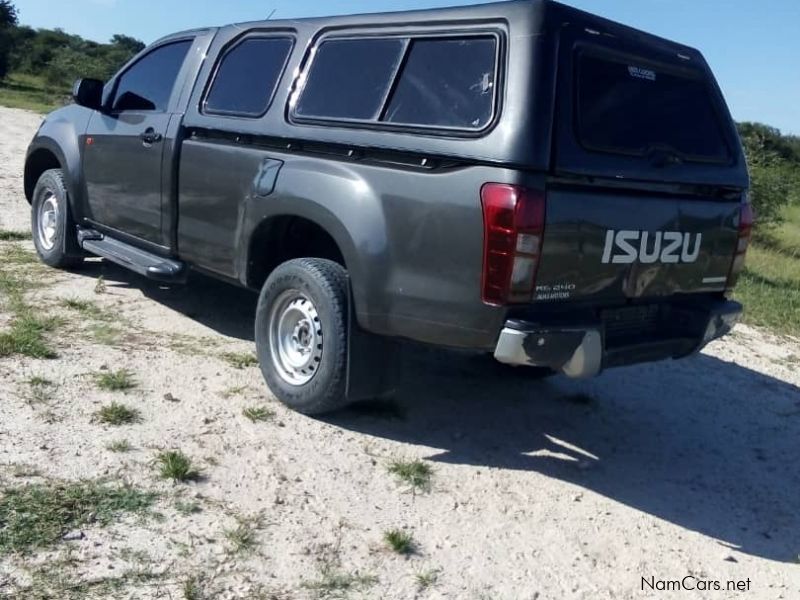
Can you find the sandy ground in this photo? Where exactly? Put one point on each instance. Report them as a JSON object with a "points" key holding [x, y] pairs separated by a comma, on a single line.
{"points": [[541, 490]]}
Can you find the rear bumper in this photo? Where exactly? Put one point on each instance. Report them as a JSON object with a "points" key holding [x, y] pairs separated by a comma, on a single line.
{"points": [[582, 351]]}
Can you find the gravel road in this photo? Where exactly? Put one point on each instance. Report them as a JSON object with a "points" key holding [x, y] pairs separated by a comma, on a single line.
{"points": [[540, 490]]}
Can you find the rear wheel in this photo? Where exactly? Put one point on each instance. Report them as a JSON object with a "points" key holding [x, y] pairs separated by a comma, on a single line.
{"points": [[54, 234], [301, 334]]}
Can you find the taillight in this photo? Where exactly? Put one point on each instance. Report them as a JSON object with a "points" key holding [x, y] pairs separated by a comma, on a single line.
{"points": [[746, 221], [513, 228]]}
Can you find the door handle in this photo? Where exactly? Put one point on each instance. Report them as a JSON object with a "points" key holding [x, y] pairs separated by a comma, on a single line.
{"points": [[150, 137]]}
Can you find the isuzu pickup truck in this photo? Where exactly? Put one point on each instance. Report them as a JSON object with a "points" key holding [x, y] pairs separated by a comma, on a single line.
{"points": [[521, 179]]}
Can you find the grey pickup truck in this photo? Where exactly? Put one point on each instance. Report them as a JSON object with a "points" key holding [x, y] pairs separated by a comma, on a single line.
{"points": [[521, 179]]}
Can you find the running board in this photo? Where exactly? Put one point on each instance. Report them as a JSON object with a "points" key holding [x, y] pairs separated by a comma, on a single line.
{"points": [[137, 260]]}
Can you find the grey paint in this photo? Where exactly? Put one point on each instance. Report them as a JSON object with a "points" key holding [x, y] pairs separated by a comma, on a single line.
{"points": [[404, 206]]}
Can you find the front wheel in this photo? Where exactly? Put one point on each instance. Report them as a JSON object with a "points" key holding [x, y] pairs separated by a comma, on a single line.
{"points": [[54, 234], [301, 334]]}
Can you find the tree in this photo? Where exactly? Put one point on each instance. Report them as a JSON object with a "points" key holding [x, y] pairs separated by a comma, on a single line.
{"points": [[125, 42], [8, 21], [8, 14], [774, 163]]}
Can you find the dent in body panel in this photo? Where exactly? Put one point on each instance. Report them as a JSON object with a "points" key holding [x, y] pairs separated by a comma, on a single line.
{"points": [[580, 226], [413, 242], [411, 239]]}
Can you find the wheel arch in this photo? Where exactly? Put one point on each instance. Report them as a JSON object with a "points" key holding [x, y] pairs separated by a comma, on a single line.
{"points": [[39, 160], [323, 235], [46, 153], [282, 237]]}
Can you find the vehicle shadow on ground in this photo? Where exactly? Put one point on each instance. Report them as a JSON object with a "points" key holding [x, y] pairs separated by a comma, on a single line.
{"points": [[705, 444], [226, 309], [701, 443]]}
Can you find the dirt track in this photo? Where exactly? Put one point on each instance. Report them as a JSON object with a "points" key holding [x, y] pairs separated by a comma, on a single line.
{"points": [[548, 490]]}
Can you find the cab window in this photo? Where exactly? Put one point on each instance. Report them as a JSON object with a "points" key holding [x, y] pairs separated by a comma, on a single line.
{"points": [[148, 84]]}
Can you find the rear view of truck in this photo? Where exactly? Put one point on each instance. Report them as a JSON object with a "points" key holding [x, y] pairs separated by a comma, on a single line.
{"points": [[632, 247]]}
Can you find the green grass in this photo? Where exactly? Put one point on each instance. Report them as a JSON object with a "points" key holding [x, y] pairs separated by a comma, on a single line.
{"points": [[788, 233], [118, 414], [334, 583], [415, 473], [120, 446], [400, 541], [27, 336], [87, 308], [426, 579], [105, 334], [14, 236], [116, 381], [240, 360], [187, 508], [243, 538], [30, 92], [258, 414], [194, 588], [37, 516], [175, 465], [29, 327], [769, 288]]}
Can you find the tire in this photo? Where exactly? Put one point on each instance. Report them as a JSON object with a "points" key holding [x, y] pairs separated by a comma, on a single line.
{"points": [[54, 233], [304, 366]]}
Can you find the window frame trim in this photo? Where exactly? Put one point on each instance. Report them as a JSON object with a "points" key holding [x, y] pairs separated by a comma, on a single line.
{"points": [[278, 34], [112, 95], [495, 32]]}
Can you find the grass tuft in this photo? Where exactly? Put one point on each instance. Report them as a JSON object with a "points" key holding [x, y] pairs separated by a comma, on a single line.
{"points": [[400, 541], [14, 236], [194, 588], [415, 473], [26, 337], [116, 381], [116, 414], [175, 465], [120, 446], [188, 508], [37, 516], [334, 583], [240, 360], [258, 414], [426, 579], [244, 537]]}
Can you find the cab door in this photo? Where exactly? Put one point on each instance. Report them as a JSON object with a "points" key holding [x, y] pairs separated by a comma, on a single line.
{"points": [[124, 147]]}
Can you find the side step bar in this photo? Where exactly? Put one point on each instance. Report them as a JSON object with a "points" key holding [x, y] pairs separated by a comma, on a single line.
{"points": [[137, 260]]}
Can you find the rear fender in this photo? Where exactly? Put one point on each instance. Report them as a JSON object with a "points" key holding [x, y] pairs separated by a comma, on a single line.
{"points": [[337, 199]]}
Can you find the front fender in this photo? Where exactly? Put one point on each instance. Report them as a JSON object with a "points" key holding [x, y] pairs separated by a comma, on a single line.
{"points": [[61, 134]]}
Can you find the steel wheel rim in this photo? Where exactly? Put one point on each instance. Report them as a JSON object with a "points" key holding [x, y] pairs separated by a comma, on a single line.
{"points": [[295, 337], [47, 221]]}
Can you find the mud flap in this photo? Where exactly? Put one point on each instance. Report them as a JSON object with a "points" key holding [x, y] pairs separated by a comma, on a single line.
{"points": [[372, 361]]}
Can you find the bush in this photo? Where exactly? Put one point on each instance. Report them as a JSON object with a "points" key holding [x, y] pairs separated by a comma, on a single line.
{"points": [[774, 162]]}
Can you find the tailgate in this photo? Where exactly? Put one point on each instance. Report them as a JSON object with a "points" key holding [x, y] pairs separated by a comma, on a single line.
{"points": [[609, 246]]}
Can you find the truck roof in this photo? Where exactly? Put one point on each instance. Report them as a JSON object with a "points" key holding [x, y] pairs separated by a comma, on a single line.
{"points": [[509, 9]]}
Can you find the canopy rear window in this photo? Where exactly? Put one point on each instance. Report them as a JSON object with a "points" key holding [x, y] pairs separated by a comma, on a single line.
{"points": [[631, 107]]}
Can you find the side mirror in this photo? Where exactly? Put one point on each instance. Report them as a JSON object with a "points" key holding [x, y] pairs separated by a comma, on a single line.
{"points": [[88, 93]]}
